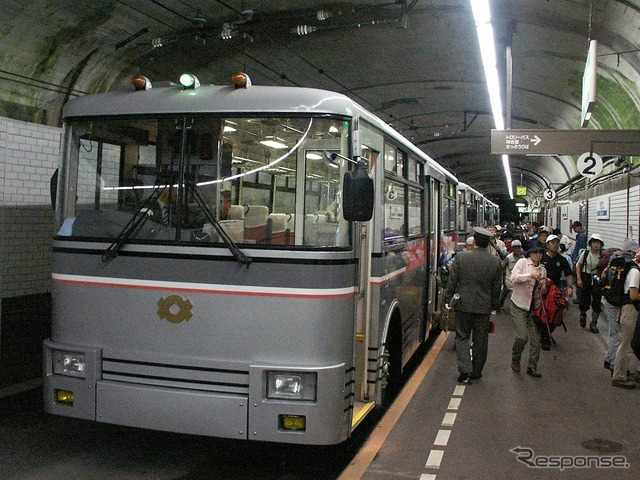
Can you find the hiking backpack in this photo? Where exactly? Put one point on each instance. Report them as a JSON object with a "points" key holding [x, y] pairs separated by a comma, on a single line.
{"points": [[612, 280], [552, 307], [603, 262]]}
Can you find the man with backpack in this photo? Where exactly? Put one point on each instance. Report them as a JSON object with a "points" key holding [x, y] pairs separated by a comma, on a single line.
{"points": [[588, 284], [621, 292], [496, 246]]}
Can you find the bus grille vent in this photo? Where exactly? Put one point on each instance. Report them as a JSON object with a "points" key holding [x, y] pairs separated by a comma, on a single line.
{"points": [[219, 380]]}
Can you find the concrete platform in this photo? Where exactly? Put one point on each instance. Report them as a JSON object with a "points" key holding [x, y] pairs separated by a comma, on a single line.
{"points": [[571, 423]]}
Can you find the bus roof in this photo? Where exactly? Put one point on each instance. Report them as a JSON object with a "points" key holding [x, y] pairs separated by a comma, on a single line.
{"points": [[174, 99], [226, 99]]}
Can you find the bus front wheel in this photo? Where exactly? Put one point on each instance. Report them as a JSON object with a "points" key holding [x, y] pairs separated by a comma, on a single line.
{"points": [[391, 374]]}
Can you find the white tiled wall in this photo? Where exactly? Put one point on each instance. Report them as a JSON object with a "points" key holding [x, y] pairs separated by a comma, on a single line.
{"points": [[28, 158], [623, 217]]}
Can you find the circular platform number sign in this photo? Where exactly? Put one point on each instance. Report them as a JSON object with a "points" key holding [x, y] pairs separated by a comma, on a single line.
{"points": [[589, 164], [549, 194]]}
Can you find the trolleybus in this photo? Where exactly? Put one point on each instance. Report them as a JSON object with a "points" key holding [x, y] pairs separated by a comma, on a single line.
{"points": [[239, 261]]}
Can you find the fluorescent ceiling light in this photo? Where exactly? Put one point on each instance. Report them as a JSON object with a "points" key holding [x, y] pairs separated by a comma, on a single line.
{"points": [[228, 128], [481, 11], [314, 156], [333, 129], [274, 142], [482, 17]]}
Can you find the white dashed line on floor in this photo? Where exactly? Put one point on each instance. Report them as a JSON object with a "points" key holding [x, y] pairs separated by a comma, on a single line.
{"points": [[442, 438]]}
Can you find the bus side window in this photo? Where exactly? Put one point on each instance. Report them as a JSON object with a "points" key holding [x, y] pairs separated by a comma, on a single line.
{"points": [[394, 212]]}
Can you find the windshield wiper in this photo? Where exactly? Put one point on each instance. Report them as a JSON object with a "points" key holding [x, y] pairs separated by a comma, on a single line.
{"points": [[238, 254], [142, 215], [130, 228]]}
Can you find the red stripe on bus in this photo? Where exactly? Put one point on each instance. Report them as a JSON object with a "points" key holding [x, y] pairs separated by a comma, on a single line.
{"points": [[209, 291]]}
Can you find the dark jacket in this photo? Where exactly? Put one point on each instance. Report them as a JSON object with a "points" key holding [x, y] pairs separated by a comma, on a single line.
{"points": [[556, 266], [477, 276]]}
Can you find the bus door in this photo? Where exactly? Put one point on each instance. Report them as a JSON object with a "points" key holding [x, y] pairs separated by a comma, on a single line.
{"points": [[433, 227], [363, 391]]}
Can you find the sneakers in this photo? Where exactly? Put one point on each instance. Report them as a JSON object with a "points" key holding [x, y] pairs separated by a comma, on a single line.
{"points": [[583, 319], [475, 376], [593, 328], [607, 365], [515, 365], [623, 384], [464, 378], [533, 373]]}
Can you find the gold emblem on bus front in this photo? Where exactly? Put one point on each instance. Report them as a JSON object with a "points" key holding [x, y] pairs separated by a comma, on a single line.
{"points": [[175, 308]]}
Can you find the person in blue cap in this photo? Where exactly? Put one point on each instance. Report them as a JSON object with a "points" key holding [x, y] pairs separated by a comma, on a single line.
{"points": [[476, 276]]}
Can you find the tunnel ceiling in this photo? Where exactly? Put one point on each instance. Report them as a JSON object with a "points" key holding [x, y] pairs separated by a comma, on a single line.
{"points": [[415, 63]]}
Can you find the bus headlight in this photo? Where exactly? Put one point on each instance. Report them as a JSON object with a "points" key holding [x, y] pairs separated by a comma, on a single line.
{"points": [[69, 363], [292, 385]]}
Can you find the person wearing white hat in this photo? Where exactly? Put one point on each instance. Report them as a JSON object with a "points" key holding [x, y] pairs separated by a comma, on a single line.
{"points": [[496, 246], [589, 293], [470, 243], [556, 266]]}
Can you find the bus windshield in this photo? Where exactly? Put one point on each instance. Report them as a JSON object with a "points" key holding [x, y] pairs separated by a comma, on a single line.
{"points": [[264, 180]]}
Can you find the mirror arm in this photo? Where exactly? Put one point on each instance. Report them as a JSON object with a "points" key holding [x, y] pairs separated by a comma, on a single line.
{"points": [[332, 157]]}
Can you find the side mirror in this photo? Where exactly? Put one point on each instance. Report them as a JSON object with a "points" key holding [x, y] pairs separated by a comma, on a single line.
{"points": [[358, 194]]}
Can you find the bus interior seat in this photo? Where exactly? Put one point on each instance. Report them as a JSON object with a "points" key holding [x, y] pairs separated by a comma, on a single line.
{"points": [[234, 228], [277, 228], [255, 223], [310, 229], [291, 229], [236, 212], [131, 197], [326, 231]]}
